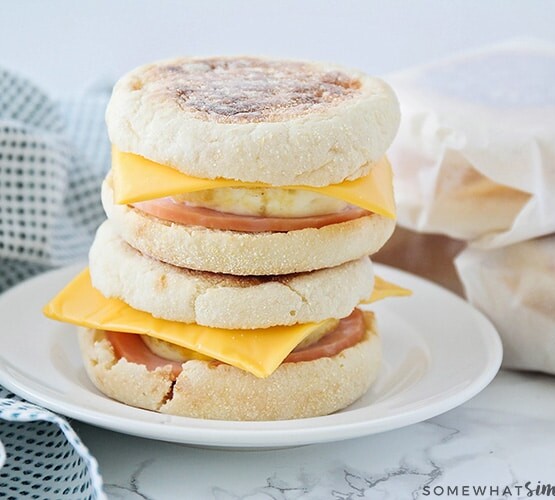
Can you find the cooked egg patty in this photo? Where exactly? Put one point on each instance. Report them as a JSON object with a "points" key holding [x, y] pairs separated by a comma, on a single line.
{"points": [[264, 202]]}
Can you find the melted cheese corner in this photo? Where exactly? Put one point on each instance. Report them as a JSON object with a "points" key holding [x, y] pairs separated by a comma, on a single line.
{"points": [[138, 179], [384, 289]]}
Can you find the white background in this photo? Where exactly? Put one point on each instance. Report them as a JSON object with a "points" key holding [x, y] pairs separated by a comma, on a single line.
{"points": [[66, 45]]}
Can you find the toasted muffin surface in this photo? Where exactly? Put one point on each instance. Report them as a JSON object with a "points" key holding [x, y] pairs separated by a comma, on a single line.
{"points": [[254, 119]]}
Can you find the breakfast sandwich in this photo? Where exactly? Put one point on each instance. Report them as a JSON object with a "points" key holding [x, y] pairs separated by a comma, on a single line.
{"points": [[244, 200]]}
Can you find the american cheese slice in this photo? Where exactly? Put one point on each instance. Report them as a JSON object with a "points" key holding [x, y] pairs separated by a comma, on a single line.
{"points": [[138, 179], [259, 352], [384, 289]]}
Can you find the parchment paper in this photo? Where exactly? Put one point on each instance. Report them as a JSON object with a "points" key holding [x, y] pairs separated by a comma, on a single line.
{"points": [[475, 160]]}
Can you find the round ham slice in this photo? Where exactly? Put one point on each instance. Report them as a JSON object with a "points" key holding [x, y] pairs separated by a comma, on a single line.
{"points": [[348, 332], [131, 347], [181, 213]]}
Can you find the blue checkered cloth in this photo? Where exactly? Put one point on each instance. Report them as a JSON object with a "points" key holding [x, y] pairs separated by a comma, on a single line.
{"points": [[44, 457], [53, 157]]}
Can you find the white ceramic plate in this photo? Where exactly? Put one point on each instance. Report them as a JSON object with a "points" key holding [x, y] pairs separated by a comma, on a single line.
{"points": [[438, 353]]}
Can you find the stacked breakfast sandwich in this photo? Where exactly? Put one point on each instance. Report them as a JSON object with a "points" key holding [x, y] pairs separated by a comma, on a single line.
{"points": [[244, 199]]}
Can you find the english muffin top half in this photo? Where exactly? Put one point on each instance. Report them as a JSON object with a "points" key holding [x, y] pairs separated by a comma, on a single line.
{"points": [[254, 119]]}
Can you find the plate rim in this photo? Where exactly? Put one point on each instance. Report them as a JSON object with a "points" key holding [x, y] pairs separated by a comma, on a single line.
{"points": [[263, 438]]}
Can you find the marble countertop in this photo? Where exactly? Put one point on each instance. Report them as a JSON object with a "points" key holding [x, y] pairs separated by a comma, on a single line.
{"points": [[503, 438]]}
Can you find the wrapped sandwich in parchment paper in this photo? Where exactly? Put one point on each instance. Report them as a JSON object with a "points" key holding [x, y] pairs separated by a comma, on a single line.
{"points": [[515, 286], [475, 161]]}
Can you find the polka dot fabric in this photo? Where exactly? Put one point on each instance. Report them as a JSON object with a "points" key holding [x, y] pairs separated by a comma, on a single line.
{"points": [[53, 156], [45, 459]]}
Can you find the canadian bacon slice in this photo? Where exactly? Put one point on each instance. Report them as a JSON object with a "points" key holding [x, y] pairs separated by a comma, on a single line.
{"points": [[348, 333], [131, 347], [181, 213]]}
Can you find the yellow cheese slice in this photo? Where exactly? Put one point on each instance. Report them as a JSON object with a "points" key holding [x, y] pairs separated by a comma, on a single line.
{"points": [[259, 352], [138, 179], [384, 289]]}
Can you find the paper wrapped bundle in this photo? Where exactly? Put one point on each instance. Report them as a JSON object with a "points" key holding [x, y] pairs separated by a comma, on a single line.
{"points": [[475, 160], [515, 286]]}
